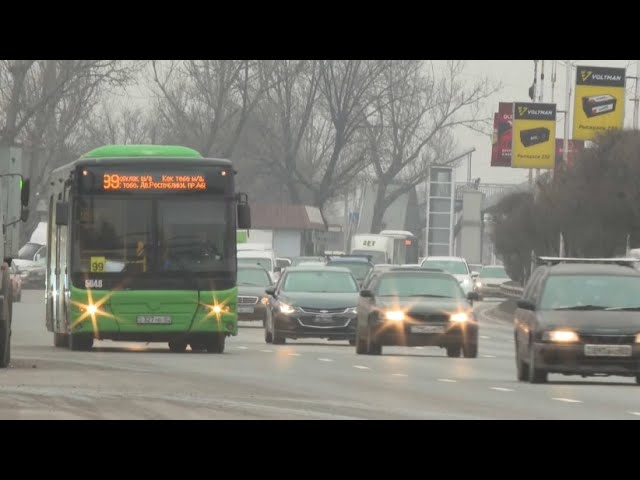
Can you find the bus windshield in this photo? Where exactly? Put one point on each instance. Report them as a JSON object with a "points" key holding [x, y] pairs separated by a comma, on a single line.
{"points": [[145, 235]]}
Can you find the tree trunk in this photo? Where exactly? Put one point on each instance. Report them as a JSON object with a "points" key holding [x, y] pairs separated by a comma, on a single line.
{"points": [[379, 208]]}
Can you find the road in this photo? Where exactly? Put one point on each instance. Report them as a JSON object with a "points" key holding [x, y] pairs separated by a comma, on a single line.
{"points": [[299, 380]]}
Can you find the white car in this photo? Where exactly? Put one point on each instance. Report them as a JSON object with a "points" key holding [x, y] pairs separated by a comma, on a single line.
{"points": [[456, 266]]}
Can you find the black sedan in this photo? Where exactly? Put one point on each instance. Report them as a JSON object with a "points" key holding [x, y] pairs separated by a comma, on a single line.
{"points": [[416, 307], [578, 317], [312, 302], [252, 299]]}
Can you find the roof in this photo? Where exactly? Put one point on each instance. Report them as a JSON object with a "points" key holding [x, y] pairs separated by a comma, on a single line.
{"points": [[348, 260], [431, 257], [414, 271], [317, 268], [250, 266], [591, 269], [286, 217], [126, 151]]}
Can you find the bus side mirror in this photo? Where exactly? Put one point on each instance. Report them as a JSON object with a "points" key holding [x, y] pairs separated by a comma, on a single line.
{"points": [[244, 212], [24, 214], [62, 213], [24, 193]]}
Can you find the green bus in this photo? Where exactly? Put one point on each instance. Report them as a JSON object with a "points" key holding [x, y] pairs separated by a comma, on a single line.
{"points": [[142, 248]]}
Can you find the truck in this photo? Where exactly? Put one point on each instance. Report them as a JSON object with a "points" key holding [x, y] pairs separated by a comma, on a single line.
{"points": [[395, 247], [8, 183]]}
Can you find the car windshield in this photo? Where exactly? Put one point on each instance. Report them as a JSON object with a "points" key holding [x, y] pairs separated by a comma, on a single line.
{"points": [[417, 285], [359, 269], [253, 276], [28, 251], [494, 272], [319, 281], [454, 267], [576, 291], [264, 262]]}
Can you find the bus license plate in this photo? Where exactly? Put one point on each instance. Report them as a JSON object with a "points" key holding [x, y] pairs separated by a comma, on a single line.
{"points": [[154, 319]]}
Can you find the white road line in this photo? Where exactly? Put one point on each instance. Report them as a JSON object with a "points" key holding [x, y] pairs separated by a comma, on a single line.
{"points": [[568, 400], [242, 348], [399, 374], [325, 360], [502, 389], [484, 337], [447, 380], [361, 367], [634, 413], [488, 356], [418, 348], [293, 354], [266, 351]]}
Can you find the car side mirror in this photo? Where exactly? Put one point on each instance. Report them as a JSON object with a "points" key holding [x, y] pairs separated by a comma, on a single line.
{"points": [[471, 296], [525, 305], [475, 274], [24, 193], [366, 293], [270, 291]]}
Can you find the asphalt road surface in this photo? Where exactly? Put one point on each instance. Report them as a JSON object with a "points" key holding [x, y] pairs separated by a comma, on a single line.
{"points": [[303, 379]]}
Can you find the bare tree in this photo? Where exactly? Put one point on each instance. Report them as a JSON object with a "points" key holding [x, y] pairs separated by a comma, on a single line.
{"points": [[206, 104], [286, 117], [413, 126]]}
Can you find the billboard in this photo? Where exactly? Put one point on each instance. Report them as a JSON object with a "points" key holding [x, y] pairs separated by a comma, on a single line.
{"points": [[502, 130], [599, 101], [534, 135], [575, 147]]}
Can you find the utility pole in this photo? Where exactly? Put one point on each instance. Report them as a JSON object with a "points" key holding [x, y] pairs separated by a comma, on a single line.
{"points": [[636, 99]]}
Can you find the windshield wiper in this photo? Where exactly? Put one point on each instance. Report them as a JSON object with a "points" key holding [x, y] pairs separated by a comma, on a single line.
{"points": [[582, 307], [629, 309]]}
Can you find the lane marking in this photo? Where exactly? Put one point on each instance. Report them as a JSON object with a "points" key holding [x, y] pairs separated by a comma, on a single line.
{"points": [[502, 389], [325, 360], [293, 354], [447, 380], [399, 374], [361, 367], [242, 348], [568, 400], [634, 413], [418, 348], [266, 351], [488, 356], [484, 337]]}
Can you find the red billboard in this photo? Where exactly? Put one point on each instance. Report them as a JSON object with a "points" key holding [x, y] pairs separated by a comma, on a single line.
{"points": [[574, 148], [501, 145]]}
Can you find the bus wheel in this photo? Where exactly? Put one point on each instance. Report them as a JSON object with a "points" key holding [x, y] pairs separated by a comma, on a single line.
{"points": [[215, 343], [198, 347], [80, 342], [60, 340], [177, 346]]}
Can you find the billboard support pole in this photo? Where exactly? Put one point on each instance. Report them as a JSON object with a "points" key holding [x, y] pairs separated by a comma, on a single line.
{"points": [[635, 97]]}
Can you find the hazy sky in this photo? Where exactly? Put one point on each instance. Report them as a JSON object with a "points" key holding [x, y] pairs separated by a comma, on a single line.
{"points": [[516, 77]]}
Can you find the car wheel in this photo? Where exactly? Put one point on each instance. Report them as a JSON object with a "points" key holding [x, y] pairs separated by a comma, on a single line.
{"points": [[374, 348], [361, 345], [352, 342], [5, 342], [454, 352], [522, 369], [638, 379], [60, 340], [536, 375]]}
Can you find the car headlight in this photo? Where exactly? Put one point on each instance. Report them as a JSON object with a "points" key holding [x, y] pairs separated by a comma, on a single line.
{"points": [[459, 317], [478, 283], [353, 310], [264, 300], [286, 309], [394, 315], [560, 336]]}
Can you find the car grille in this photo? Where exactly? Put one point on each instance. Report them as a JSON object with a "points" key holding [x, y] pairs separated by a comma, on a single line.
{"points": [[323, 310], [243, 300], [431, 318], [324, 322], [608, 339]]}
